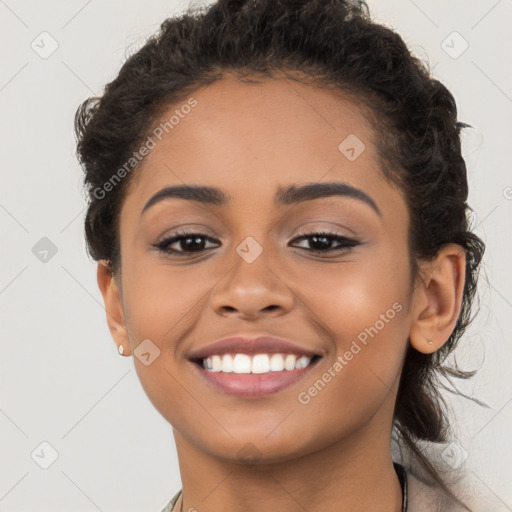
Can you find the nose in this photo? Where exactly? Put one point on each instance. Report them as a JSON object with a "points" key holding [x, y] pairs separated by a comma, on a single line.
{"points": [[252, 290]]}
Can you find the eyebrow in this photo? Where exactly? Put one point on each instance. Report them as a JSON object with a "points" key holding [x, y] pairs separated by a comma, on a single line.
{"points": [[284, 196]]}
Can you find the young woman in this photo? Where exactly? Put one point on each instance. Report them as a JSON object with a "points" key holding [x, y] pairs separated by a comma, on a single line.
{"points": [[278, 211]]}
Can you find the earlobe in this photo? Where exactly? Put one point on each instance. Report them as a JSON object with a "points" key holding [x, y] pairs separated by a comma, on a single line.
{"points": [[113, 305], [438, 299]]}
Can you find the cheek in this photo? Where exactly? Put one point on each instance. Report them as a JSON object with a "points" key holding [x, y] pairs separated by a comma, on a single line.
{"points": [[363, 306], [349, 297], [162, 302]]}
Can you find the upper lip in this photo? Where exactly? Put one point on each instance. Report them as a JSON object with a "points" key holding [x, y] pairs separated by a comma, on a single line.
{"points": [[244, 345]]}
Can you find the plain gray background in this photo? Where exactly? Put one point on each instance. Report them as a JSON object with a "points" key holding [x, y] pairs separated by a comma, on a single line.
{"points": [[61, 379]]}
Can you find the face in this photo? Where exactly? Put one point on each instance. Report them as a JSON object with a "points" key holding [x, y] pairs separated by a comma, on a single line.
{"points": [[254, 267]]}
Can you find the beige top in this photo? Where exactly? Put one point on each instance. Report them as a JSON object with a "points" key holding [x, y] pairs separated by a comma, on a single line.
{"points": [[170, 505]]}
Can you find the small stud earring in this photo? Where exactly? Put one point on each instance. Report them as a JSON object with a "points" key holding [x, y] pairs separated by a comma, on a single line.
{"points": [[430, 342], [121, 349]]}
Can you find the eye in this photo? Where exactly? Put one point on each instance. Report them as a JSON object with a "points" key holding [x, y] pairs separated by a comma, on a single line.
{"points": [[188, 241], [322, 241]]}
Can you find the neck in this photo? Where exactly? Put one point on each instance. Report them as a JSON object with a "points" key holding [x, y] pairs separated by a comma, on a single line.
{"points": [[355, 474]]}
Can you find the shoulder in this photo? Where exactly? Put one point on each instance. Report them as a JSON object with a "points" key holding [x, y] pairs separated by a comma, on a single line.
{"points": [[422, 497]]}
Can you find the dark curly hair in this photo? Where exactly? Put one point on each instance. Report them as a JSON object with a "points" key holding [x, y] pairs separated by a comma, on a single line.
{"points": [[330, 43]]}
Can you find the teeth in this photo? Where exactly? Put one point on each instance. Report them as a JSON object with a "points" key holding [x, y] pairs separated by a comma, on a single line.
{"points": [[277, 363], [242, 363], [289, 362], [259, 363], [216, 362], [227, 363], [302, 362]]}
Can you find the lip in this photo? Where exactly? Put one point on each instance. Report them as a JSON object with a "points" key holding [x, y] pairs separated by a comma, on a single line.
{"points": [[249, 385], [251, 346]]}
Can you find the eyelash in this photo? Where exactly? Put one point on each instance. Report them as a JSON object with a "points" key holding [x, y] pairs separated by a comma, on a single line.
{"points": [[347, 244]]}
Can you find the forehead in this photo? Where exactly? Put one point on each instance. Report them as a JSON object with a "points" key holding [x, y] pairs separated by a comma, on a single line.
{"points": [[251, 138]]}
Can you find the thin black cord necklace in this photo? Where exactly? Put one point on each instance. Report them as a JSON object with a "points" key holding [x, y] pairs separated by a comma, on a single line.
{"points": [[402, 476]]}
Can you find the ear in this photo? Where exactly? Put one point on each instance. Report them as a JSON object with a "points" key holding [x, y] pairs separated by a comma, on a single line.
{"points": [[438, 299], [113, 305]]}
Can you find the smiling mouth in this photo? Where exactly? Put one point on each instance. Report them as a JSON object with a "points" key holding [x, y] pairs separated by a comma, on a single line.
{"points": [[241, 363], [253, 376]]}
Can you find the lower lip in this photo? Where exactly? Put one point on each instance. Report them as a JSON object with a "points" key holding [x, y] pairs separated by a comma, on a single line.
{"points": [[253, 385]]}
